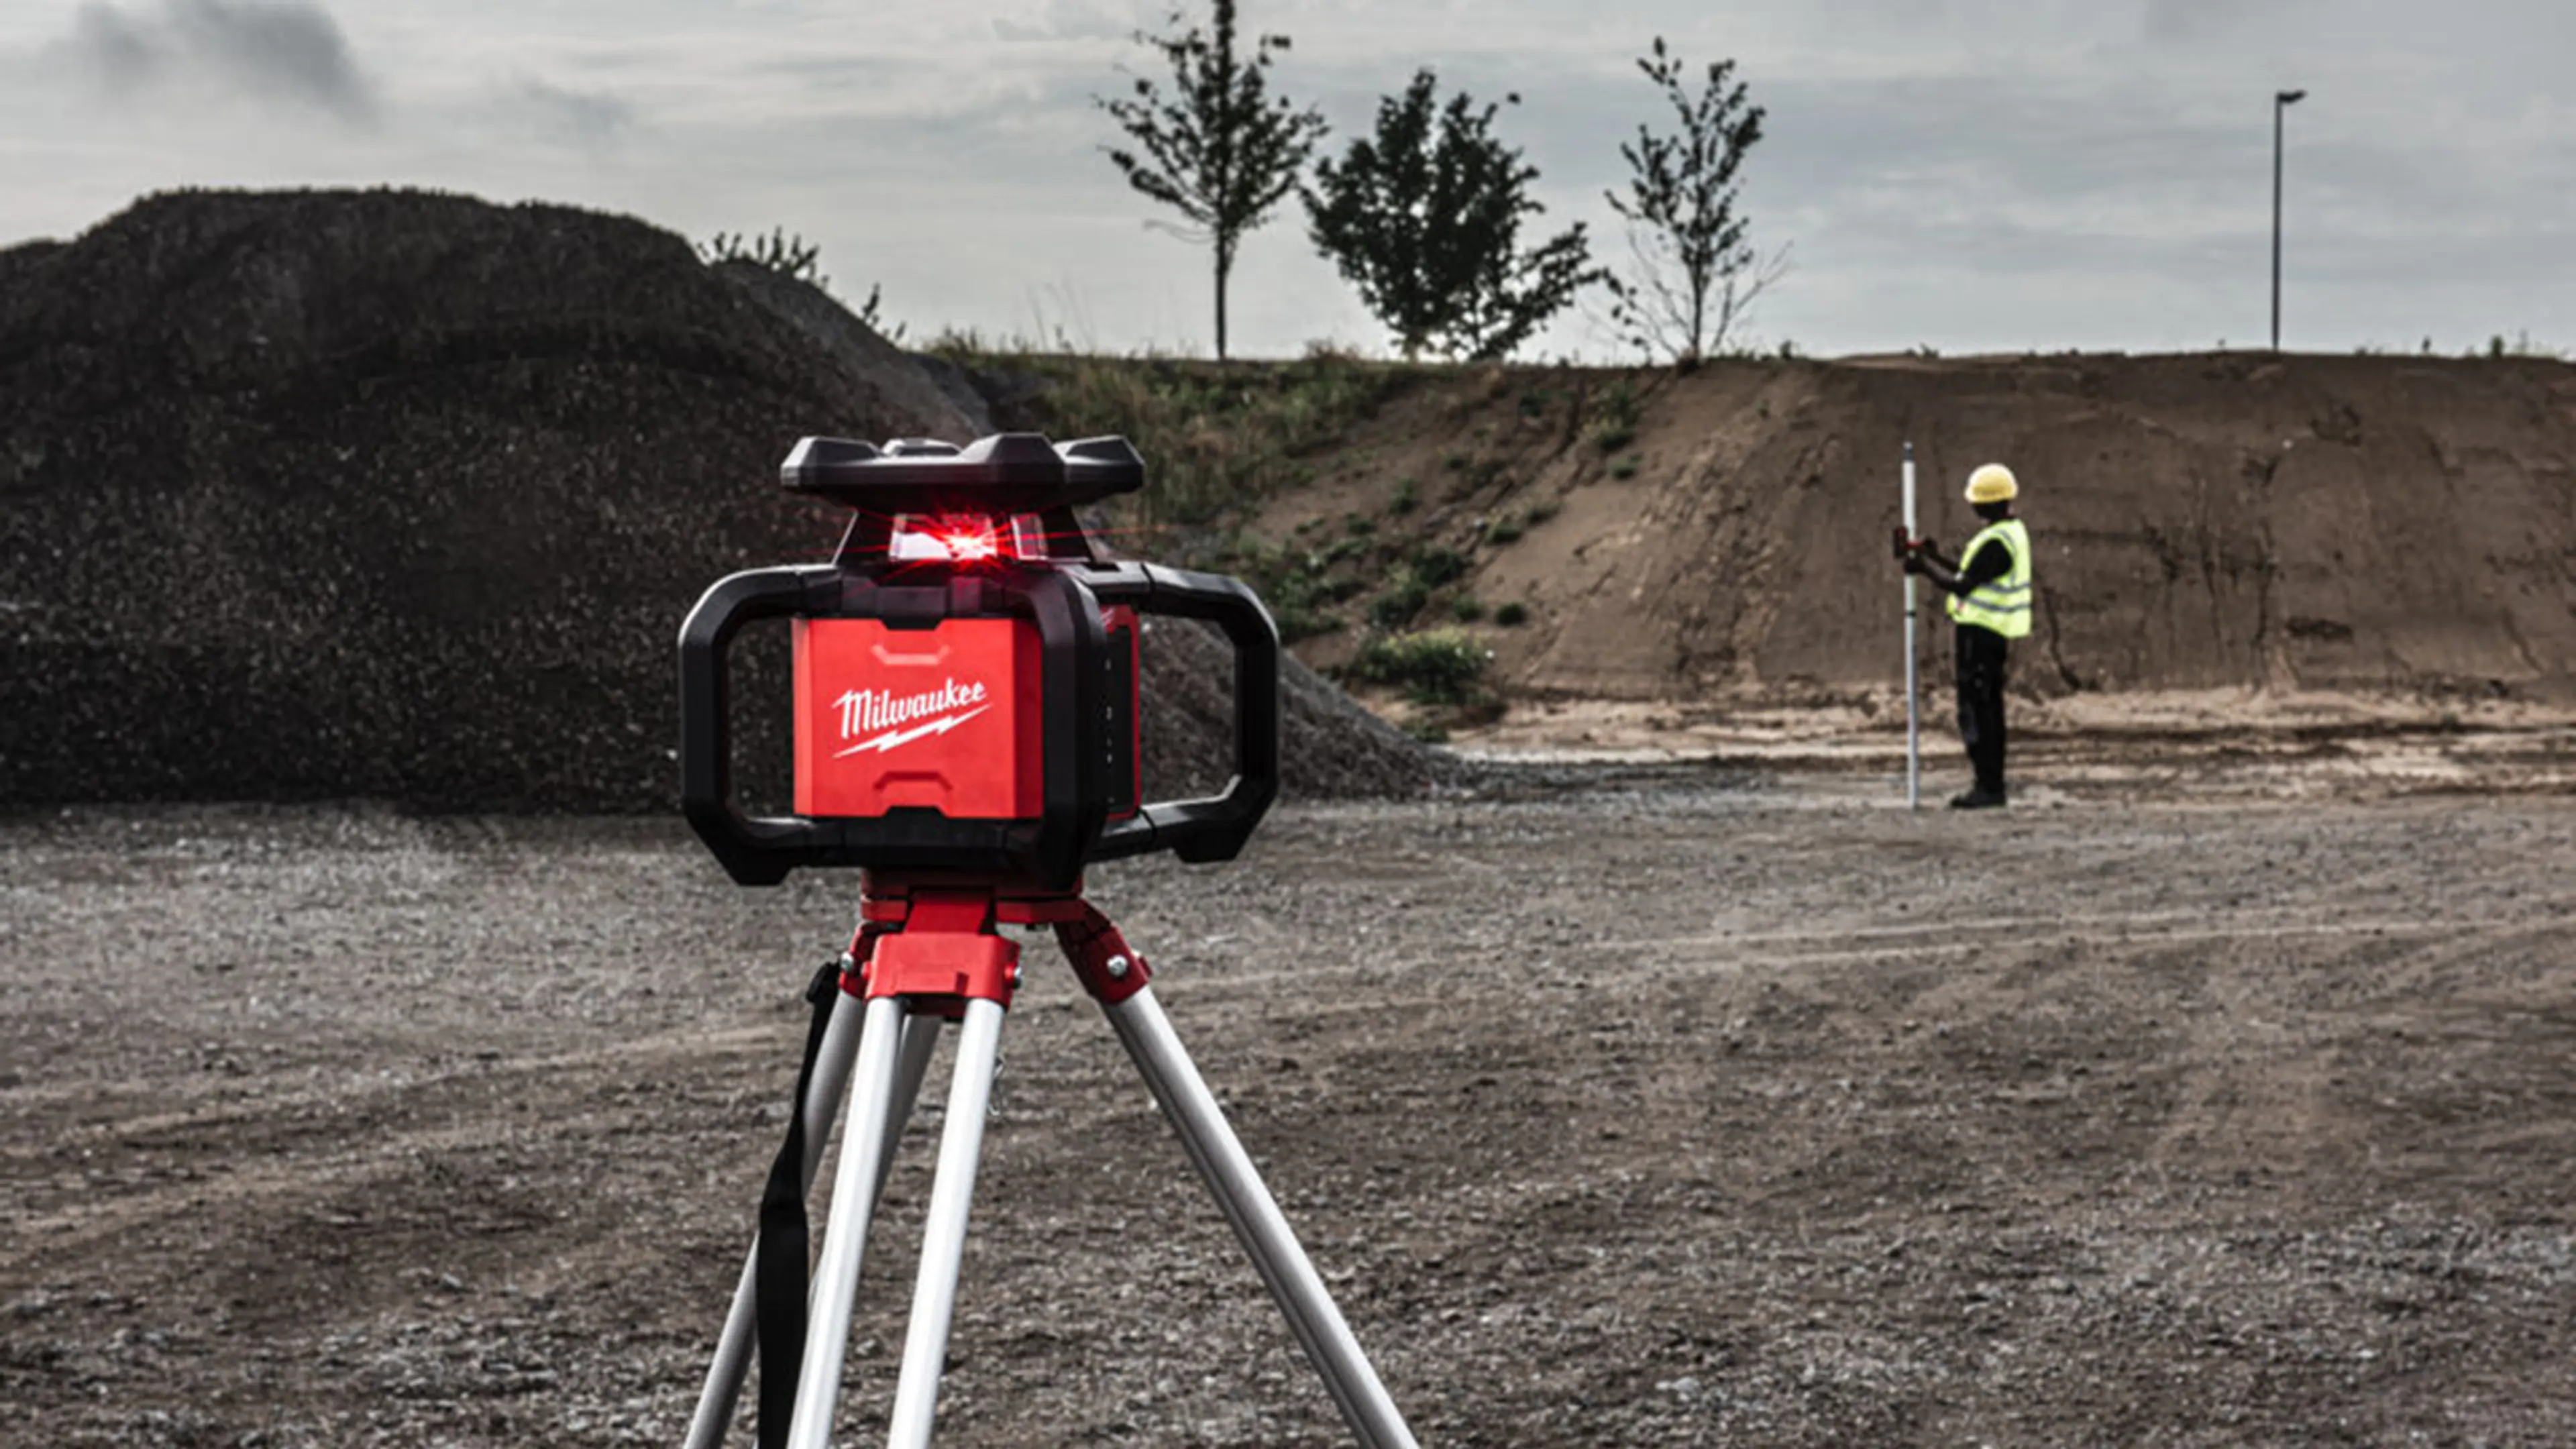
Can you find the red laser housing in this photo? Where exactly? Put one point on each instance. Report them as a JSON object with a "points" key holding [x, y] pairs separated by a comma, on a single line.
{"points": [[947, 719], [966, 674], [943, 719]]}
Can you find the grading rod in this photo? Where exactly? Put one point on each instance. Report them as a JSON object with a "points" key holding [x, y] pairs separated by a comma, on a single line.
{"points": [[1913, 718]]}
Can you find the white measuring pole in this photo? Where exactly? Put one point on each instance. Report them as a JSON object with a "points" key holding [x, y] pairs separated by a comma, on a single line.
{"points": [[1913, 720]]}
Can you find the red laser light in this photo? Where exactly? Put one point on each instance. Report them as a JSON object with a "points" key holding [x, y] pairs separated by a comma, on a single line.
{"points": [[969, 542], [952, 538]]}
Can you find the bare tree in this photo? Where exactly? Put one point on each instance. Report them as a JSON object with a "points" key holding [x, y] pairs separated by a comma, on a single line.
{"points": [[1658, 312], [1221, 150], [1691, 276]]}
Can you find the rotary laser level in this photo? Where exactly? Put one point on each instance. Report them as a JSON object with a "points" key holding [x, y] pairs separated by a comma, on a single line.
{"points": [[967, 732], [966, 674]]}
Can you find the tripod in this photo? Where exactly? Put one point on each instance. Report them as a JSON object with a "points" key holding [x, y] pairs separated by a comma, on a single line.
{"points": [[929, 950]]}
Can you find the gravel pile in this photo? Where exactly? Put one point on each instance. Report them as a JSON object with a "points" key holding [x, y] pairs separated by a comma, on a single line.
{"points": [[1329, 746], [403, 496]]}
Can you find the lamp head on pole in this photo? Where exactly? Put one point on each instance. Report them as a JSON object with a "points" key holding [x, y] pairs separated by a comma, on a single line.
{"points": [[2288, 98]]}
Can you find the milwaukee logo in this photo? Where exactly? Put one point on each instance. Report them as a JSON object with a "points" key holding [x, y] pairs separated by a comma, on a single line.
{"points": [[889, 719]]}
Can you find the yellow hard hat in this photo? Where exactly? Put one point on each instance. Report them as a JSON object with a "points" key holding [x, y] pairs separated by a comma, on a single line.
{"points": [[1992, 483]]}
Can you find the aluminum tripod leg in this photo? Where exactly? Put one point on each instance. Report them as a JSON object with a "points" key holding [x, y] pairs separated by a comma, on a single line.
{"points": [[716, 1403], [920, 1039], [734, 1345], [943, 1233], [1263, 1229], [869, 1141]]}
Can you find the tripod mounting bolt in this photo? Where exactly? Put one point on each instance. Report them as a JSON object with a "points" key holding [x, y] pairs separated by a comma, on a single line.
{"points": [[1116, 966]]}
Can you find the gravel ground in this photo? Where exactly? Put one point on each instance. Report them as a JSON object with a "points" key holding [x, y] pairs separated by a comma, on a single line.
{"points": [[1676, 1107]]}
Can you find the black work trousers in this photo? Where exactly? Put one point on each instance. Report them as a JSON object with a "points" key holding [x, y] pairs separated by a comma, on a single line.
{"points": [[1982, 656]]}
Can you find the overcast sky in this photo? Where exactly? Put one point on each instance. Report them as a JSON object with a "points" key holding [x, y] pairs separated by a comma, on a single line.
{"points": [[1970, 175]]}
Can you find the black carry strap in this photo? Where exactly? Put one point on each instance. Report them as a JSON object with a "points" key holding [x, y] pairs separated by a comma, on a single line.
{"points": [[779, 1277]]}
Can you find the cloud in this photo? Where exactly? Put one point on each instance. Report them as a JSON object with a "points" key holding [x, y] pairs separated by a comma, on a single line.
{"points": [[1061, 20], [2187, 20], [1970, 173], [268, 51], [585, 118]]}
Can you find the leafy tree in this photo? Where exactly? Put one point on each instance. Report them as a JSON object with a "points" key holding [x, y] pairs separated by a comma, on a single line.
{"points": [[1220, 150], [1692, 275], [1424, 218]]}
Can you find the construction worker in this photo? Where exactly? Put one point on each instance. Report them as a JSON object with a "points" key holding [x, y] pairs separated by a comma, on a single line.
{"points": [[1989, 601]]}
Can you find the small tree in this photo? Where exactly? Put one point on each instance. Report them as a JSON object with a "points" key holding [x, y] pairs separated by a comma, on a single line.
{"points": [[872, 318], [788, 256], [1425, 218], [1221, 150], [1691, 274]]}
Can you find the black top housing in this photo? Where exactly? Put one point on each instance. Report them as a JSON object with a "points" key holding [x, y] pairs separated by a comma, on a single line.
{"points": [[1003, 474]]}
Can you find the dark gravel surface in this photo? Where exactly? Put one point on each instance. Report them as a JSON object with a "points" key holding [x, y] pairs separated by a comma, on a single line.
{"points": [[1694, 1110]]}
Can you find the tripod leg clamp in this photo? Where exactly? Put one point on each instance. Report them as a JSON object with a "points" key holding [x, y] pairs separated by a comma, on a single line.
{"points": [[1109, 970], [945, 948]]}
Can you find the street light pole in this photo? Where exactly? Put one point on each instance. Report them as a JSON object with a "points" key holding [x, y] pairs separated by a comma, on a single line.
{"points": [[2281, 100]]}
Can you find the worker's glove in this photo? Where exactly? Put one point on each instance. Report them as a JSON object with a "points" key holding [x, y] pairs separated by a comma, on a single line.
{"points": [[1914, 563]]}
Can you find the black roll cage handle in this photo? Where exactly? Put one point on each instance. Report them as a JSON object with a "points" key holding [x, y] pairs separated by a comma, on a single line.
{"points": [[1065, 601]]}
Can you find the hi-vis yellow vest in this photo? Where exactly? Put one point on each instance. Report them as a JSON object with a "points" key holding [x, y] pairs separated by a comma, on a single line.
{"points": [[2004, 605]]}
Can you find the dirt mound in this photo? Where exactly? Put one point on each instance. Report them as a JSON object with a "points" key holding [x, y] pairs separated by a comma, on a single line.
{"points": [[403, 495], [2368, 524]]}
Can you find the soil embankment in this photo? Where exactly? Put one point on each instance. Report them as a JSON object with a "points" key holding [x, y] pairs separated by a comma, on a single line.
{"points": [[2366, 525]]}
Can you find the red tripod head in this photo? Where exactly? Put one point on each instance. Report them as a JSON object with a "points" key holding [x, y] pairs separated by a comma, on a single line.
{"points": [[966, 674]]}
